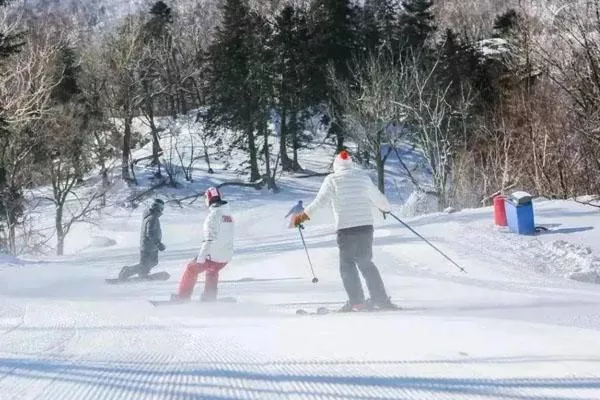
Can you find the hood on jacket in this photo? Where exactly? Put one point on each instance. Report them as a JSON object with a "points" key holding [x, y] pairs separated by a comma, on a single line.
{"points": [[342, 162], [157, 208]]}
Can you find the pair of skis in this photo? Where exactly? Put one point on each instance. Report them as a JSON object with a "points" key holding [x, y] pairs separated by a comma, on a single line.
{"points": [[325, 311]]}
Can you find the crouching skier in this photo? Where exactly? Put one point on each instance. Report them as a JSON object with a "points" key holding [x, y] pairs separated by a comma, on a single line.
{"points": [[216, 251], [352, 195], [150, 242]]}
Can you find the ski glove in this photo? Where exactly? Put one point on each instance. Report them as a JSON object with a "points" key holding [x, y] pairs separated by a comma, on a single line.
{"points": [[161, 247], [300, 218]]}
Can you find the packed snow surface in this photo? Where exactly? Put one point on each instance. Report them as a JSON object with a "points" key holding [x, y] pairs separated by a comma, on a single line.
{"points": [[523, 323]]}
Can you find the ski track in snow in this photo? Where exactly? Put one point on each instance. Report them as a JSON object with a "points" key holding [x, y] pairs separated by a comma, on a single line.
{"points": [[504, 330]]}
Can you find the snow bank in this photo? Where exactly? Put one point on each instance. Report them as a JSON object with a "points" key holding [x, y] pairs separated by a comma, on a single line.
{"points": [[98, 242], [419, 203], [577, 261], [10, 261]]}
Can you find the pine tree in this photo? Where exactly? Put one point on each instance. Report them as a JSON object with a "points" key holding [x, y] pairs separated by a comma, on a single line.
{"points": [[295, 84], [261, 79], [379, 26], [416, 24], [160, 19], [67, 70], [231, 96], [333, 40], [505, 23], [460, 64]]}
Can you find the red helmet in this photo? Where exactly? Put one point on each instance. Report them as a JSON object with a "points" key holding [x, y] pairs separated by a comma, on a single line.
{"points": [[212, 196]]}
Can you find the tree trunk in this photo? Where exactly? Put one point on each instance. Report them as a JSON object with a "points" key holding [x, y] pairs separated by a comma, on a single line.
{"points": [[126, 150], [105, 185], [207, 157], [339, 135], [183, 102], [12, 241], [173, 106], [380, 170], [154, 132], [286, 163], [295, 142], [441, 186], [265, 133], [60, 233], [254, 173], [12, 233]]}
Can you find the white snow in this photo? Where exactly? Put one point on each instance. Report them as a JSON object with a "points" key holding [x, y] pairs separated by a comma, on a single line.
{"points": [[514, 327]]}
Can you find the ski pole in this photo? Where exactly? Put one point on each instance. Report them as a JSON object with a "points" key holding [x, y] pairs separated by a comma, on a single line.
{"points": [[315, 279], [428, 242]]}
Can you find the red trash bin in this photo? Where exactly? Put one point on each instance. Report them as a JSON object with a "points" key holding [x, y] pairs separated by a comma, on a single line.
{"points": [[499, 211]]}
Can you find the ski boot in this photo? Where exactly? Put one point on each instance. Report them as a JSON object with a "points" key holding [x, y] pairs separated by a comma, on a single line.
{"points": [[125, 273], [175, 298], [348, 307], [385, 305]]}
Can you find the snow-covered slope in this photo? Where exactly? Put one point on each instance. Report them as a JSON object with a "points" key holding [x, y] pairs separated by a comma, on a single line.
{"points": [[512, 328], [523, 323]]}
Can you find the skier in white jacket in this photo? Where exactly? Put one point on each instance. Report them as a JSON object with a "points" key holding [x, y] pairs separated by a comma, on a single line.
{"points": [[216, 251], [352, 194]]}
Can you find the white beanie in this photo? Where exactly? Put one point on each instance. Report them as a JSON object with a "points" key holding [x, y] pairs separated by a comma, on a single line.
{"points": [[342, 161]]}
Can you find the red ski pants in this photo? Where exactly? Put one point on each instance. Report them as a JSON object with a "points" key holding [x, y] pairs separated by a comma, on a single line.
{"points": [[190, 277]]}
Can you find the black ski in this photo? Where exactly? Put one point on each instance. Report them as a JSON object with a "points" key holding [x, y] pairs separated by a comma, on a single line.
{"points": [[157, 276], [157, 303], [325, 310]]}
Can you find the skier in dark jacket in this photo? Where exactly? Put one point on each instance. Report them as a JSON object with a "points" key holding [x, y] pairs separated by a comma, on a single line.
{"points": [[150, 242]]}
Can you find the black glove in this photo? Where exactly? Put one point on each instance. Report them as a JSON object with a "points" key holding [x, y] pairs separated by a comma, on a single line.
{"points": [[161, 247]]}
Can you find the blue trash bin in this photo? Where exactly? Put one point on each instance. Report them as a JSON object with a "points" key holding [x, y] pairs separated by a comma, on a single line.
{"points": [[519, 213]]}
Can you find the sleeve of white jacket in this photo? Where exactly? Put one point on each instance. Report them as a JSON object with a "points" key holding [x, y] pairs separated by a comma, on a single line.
{"points": [[211, 230], [323, 198], [378, 199]]}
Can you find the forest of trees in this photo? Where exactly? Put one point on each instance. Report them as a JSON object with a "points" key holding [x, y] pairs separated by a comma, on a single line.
{"points": [[494, 97]]}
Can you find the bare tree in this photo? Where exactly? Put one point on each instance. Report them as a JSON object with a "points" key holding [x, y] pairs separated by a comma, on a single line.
{"points": [[104, 137], [121, 58], [185, 145], [70, 207], [438, 123], [371, 104], [26, 84]]}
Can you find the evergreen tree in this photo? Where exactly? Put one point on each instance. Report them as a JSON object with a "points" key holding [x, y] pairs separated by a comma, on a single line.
{"points": [[160, 20], [261, 79], [232, 97], [505, 23], [460, 64], [295, 84], [333, 40], [379, 26], [67, 69], [416, 24]]}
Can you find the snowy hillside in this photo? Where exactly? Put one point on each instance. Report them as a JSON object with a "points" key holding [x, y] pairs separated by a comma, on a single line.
{"points": [[514, 327]]}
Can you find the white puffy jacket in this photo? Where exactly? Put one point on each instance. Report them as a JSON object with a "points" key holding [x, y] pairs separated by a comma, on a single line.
{"points": [[218, 235], [351, 193]]}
